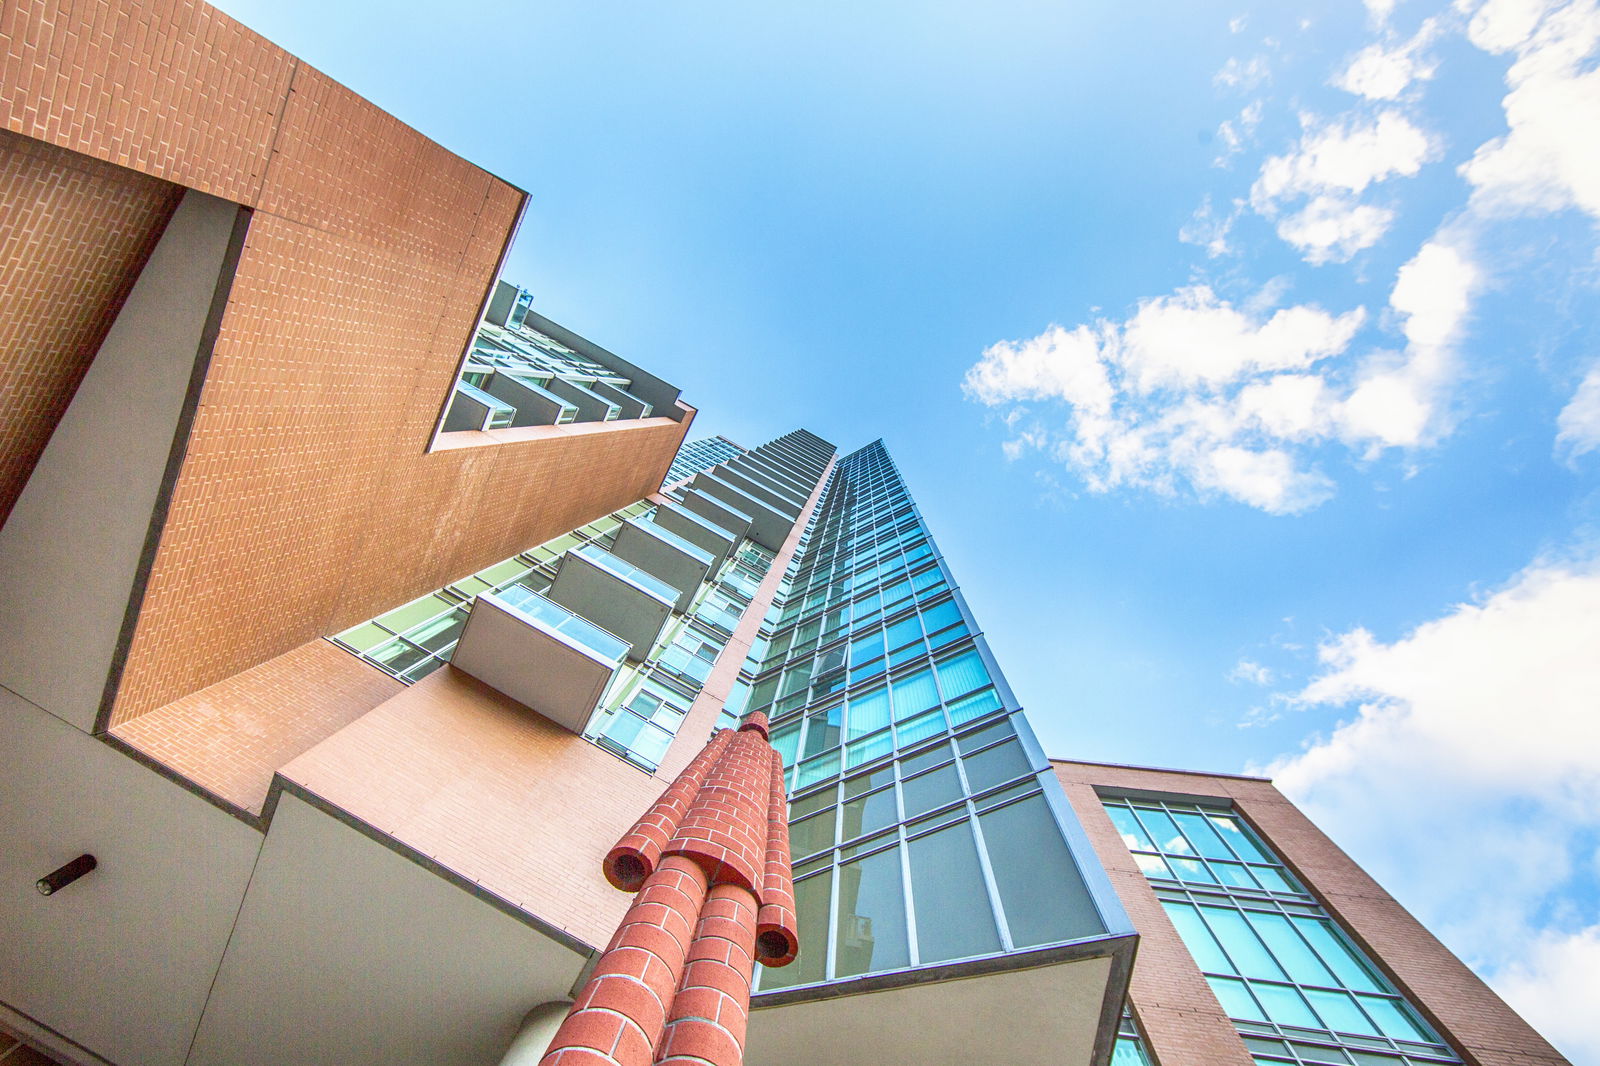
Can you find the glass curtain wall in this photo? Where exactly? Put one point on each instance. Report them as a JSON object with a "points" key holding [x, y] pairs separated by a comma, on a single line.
{"points": [[920, 825], [1298, 989]]}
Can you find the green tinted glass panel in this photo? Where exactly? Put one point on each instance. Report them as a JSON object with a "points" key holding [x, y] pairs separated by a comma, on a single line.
{"points": [[811, 834], [931, 790], [1041, 891], [961, 675], [1250, 956], [811, 915], [863, 751], [869, 813], [1339, 1012], [872, 916], [1004, 762], [1339, 957], [1395, 1020], [947, 886], [969, 708], [1283, 1004], [1235, 998], [921, 727]]}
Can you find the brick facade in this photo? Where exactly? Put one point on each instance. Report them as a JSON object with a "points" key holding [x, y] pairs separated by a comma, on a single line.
{"points": [[310, 470], [1181, 1019], [74, 235]]}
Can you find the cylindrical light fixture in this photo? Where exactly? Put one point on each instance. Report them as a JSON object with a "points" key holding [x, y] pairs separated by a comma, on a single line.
{"points": [[56, 880]]}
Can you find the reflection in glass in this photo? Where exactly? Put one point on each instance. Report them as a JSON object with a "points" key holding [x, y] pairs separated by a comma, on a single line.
{"points": [[872, 916]]}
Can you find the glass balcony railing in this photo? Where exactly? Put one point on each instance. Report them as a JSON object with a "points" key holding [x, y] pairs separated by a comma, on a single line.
{"points": [[623, 570], [556, 619]]}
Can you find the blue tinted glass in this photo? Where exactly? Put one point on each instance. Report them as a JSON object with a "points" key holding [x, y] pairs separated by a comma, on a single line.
{"points": [[868, 712], [1291, 951], [1395, 1020], [1229, 829], [1284, 1005], [913, 695], [1333, 951], [1197, 938], [1339, 1012], [1236, 999], [962, 674], [1241, 943], [1203, 837], [1164, 833]]}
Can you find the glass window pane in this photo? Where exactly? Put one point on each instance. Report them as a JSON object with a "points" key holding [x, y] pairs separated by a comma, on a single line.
{"points": [[962, 674], [913, 695], [819, 769], [855, 786], [979, 738], [1164, 832], [1203, 837], [787, 741], [869, 813], [931, 790], [1197, 938], [1272, 880], [1235, 874], [811, 834], [1191, 870], [970, 708], [1339, 1012], [1395, 1020], [868, 712], [811, 915], [1152, 865], [1004, 762], [866, 648], [1235, 834], [926, 759], [948, 888], [863, 751], [940, 615], [872, 916], [1284, 1005], [906, 631], [1041, 890], [812, 802], [1128, 827], [1299, 960], [1236, 999], [1340, 958], [921, 727], [1241, 943]]}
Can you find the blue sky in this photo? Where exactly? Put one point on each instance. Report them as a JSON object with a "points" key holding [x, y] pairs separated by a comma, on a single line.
{"points": [[1242, 356]]}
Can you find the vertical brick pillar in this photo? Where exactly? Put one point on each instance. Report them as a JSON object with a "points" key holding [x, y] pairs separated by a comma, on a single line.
{"points": [[620, 1014], [674, 986], [712, 1007]]}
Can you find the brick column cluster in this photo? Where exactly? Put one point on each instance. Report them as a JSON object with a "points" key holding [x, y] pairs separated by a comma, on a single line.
{"points": [[710, 863]]}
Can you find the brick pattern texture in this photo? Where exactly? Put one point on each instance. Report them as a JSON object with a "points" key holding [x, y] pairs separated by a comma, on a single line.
{"points": [[1183, 1022], [74, 234], [231, 737], [715, 817], [311, 495]]}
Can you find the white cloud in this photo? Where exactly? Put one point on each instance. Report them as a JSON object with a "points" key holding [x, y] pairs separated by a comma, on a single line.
{"points": [[1549, 159], [1382, 72], [1188, 391], [1380, 10], [1236, 132], [1434, 291], [1250, 672], [1578, 424], [1209, 228], [1333, 163], [1344, 156], [1557, 981], [1237, 24], [1472, 744], [1243, 74], [1331, 229]]}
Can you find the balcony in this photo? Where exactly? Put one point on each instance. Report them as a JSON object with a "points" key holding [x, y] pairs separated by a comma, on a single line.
{"points": [[624, 599], [702, 532], [718, 513], [536, 405], [666, 555], [769, 524], [540, 654], [766, 489]]}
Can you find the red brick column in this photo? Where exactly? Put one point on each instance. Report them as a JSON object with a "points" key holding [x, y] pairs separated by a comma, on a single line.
{"points": [[674, 986], [709, 1014], [620, 1014]]}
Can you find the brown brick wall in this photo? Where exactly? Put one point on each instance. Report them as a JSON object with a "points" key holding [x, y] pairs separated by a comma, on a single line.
{"points": [[231, 737], [309, 498], [1186, 1026], [74, 233], [490, 790]]}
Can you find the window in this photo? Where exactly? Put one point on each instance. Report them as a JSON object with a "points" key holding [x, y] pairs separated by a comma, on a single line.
{"points": [[1296, 987]]}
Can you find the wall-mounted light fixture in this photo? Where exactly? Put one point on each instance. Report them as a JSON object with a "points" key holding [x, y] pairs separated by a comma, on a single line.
{"points": [[56, 880]]}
